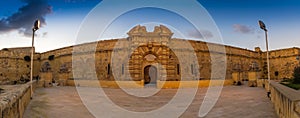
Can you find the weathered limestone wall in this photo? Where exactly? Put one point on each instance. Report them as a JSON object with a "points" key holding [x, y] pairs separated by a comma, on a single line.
{"points": [[286, 100], [238, 60], [144, 48], [14, 66], [283, 62], [59, 62], [14, 100], [56, 59]]}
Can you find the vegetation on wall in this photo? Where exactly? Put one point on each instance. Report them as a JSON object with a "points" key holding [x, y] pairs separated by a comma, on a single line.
{"points": [[295, 82], [296, 75]]}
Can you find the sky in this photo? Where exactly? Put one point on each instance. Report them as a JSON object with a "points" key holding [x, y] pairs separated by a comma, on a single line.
{"points": [[236, 22]]}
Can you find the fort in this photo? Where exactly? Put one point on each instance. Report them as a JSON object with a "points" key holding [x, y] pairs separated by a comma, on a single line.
{"points": [[146, 58], [145, 51]]}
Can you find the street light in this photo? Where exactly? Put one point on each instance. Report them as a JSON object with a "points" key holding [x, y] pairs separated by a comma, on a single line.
{"points": [[36, 26], [263, 27]]}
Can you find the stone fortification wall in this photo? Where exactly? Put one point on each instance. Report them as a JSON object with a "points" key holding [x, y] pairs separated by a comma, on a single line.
{"points": [[143, 49], [237, 59], [15, 64], [282, 62]]}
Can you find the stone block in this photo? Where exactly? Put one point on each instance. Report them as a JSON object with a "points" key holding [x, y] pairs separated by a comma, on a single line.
{"points": [[259, 83], [46, 76], [297, 108], [252, 83], [62, 82], [63, 76], [48, 83], [253, 76], [45, 79], [235, 77]]}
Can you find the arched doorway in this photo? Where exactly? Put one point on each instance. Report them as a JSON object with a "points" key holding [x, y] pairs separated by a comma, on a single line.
{"points": [[150, 74]]}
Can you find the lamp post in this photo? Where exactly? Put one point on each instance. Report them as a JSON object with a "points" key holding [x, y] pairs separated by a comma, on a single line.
{"points": [[36, 26], [263, 27]]}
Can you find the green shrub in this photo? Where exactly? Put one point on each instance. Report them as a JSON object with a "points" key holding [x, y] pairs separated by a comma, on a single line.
{"points": [[294, 86], [296, 75]]}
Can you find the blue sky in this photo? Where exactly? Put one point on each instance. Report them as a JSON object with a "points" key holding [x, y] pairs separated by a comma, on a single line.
{"points": [[236, 20]]}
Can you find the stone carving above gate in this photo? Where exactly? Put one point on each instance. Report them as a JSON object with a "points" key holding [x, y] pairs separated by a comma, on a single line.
{"points": [[140, 34], [158, 30], [150, 57]]}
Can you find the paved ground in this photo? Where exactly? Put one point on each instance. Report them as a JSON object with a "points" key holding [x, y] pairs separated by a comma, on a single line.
{"points": [[235, 102]]}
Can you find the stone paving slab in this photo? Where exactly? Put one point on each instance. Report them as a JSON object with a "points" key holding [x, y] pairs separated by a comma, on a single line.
{"points": [[234, 102]]}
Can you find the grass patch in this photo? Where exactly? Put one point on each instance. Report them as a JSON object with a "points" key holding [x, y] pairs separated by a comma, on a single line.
{"points": [[287, 80], [291, 85]]}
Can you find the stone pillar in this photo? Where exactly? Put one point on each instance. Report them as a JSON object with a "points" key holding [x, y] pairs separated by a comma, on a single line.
{"points": [[164, 63], [135, 65]]}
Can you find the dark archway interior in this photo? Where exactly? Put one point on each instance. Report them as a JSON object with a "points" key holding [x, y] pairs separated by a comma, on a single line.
{"points": [[150, 74]]}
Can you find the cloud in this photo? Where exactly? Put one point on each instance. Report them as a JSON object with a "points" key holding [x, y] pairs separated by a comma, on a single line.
{"points": [[243, 29], [24, 18], [45, 34], [202, 34]]}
